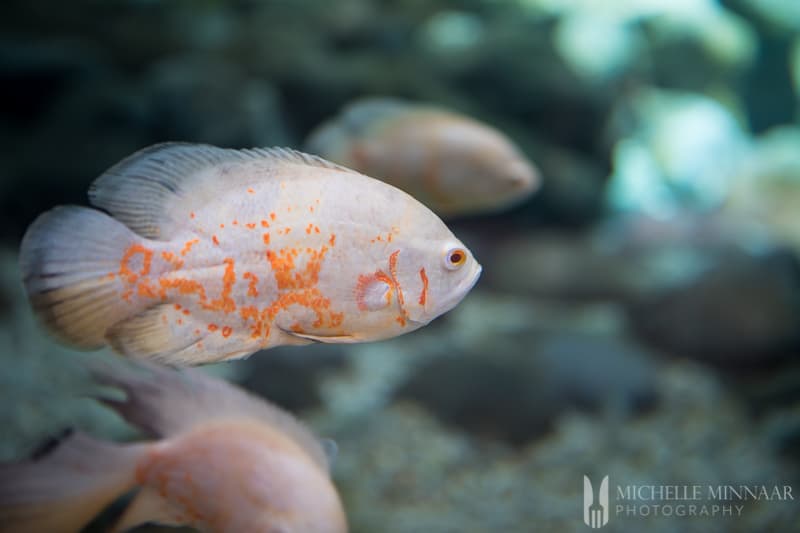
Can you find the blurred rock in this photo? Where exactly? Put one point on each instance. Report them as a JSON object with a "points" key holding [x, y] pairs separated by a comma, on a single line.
{"points": [[289, 376], [400, 471], [744, 311], [514, 388]]}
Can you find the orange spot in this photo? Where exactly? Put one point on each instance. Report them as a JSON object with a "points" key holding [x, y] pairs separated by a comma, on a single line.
{"points": [[167, 256], [226, 331], [423, 297], [311, 209], [316, 229], [389, 237], [146, 290], [266, 238], [191, 215], [252, 289], [378, 238], [183, 286], [272, 216], [400, 299], [124, 268], [180, 321], [251, 191], [308, 229], [251, 225], [364, 281], [213, 327], [186, 312], [188, 246], [235, 222], [225, 303], [264, 224], [296, 327], [215, 240], [222, 226], [332, 240], [177, 307]]}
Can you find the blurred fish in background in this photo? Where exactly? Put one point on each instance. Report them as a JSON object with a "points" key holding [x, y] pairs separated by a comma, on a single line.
{"points": [[224, 461], [453, 164], [638, 315]]}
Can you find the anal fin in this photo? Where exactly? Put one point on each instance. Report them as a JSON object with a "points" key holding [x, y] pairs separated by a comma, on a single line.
{"points": [[157, 333]]}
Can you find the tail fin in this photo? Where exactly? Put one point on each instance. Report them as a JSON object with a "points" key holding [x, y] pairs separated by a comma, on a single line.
{"points": [[63, 490], [66, 258]]}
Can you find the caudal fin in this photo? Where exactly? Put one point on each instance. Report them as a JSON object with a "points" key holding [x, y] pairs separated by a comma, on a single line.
{"points": [[65, 488], [68, 259]]}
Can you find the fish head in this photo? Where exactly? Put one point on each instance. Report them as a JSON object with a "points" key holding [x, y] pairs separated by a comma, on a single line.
{"points": [[434, 276], [482, 170], [413, 282]]}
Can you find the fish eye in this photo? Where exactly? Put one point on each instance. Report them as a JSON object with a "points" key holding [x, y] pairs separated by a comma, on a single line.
{"points": [[455, 258]]}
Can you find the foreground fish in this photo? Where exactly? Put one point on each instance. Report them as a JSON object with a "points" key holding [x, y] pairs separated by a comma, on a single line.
{"points": [[225, 461], [213, 254], [453, 164]]}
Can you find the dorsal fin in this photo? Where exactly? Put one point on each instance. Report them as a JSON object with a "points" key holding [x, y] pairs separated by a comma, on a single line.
{"points": [[155, 188]]}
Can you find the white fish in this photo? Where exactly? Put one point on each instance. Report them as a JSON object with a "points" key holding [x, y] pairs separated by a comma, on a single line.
{"points": [[452, 163], [223, 460], [213, 254]]}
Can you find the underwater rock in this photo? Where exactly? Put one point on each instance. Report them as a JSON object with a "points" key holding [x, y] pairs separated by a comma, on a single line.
{"points": [[515, 389], [746, 310], [290, 377], [402, 471]]}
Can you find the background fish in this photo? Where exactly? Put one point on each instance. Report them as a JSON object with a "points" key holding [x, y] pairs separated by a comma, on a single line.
{"points": [[453, 164], [214, 254], [224, 461]]}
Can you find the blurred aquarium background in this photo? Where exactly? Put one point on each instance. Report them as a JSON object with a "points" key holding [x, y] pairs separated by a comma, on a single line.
{"points": [[638, 317]]}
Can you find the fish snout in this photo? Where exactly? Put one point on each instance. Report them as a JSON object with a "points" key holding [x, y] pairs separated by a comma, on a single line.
{"points": [[522, 176]]}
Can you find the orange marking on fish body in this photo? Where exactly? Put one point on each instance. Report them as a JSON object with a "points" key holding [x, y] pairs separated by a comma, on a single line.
{"points": [[222, 226], [400, 299], [364, 281], [225, 303], [188, 246], [226, 331], [250, 190], [266, 238], [235, 222], [124, 268], [184, 286], [332, 240], [423, 297], [213, 327], [316, 229], [215, 240], [146, 290], [251, 225], [191, 215], [186, 312], [308, 229], [272, 215], [252, 289], [264, 224]]}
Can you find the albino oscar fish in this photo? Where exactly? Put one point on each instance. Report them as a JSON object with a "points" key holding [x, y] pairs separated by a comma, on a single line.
{"points": [[452, 163], [223, 461], [211, 254]]}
